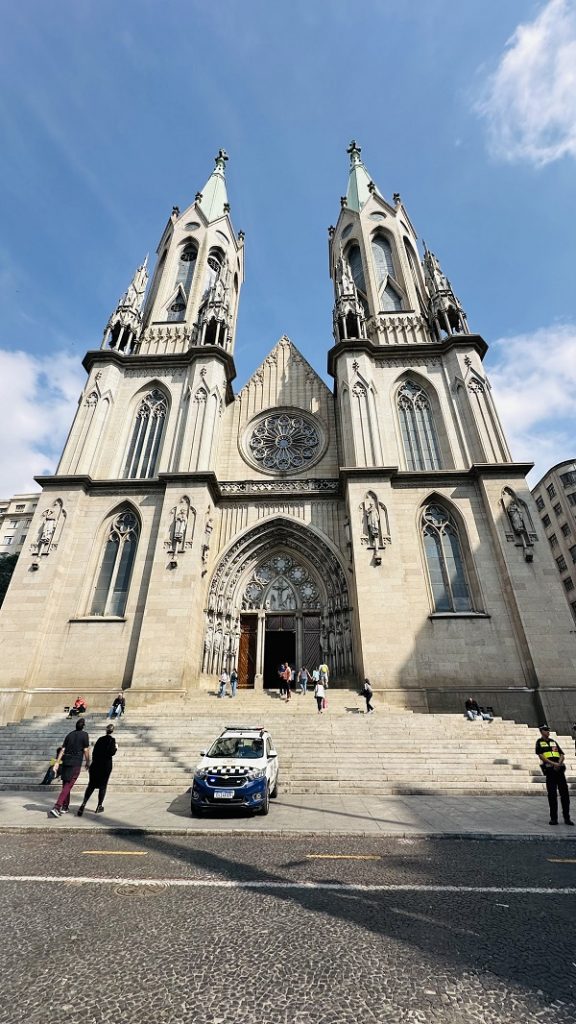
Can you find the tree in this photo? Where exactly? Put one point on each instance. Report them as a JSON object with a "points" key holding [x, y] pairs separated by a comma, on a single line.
{"points": [[7, 566]]}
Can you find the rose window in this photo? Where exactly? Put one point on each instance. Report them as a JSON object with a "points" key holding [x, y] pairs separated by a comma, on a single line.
{"points": [[282, 442]]}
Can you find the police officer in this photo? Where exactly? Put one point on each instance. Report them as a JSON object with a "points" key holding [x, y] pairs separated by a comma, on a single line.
{"points": [[552, 762]]}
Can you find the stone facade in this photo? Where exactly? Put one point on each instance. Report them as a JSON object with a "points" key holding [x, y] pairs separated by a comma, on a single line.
{"points": [[555, 497], [381, 526]]}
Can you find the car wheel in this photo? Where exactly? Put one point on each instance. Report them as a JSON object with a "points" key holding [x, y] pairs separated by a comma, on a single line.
{"points": [[266, 802], [274, 792]]}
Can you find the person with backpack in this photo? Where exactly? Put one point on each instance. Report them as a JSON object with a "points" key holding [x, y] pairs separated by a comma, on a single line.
{"points": [[367, 693]]}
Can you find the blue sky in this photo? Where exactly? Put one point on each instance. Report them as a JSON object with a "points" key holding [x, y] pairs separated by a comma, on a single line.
{"points": [[110, 113]]}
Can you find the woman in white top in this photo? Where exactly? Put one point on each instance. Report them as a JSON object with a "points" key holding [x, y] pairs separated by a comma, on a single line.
{"points": [[320, 693]]}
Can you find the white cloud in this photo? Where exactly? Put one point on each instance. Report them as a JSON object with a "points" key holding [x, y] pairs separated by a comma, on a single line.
{"points": [[529, 102], [534, 380], [38, 398]]}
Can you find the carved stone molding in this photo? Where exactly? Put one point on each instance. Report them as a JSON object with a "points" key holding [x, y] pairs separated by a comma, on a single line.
{"points": [[282, 486]]}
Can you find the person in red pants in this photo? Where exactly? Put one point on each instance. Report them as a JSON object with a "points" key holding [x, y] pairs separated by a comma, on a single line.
{"points": [[75, 749]]}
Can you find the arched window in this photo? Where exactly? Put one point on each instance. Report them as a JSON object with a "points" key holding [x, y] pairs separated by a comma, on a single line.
{"points": [[382, 254], [186, 266], [444, 561], [115, 570], [144, 446], [418, 434], [176, 309], [390, 295]]}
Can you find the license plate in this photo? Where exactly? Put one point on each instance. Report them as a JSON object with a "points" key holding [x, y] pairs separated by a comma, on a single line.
{"points": [[223, 794]]}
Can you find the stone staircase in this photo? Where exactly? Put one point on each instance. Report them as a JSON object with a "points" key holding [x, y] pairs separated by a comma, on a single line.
{"points": [[392, 751]]}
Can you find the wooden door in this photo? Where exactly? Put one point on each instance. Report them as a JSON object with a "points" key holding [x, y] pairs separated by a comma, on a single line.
{"points": [[247, 654], [311, 654]]}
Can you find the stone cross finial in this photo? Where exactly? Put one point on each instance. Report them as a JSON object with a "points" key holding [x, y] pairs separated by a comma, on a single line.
{"points": [[221, 159], [397, 198], [198, 197], [343, 201], [226, 207], [354, 152]]}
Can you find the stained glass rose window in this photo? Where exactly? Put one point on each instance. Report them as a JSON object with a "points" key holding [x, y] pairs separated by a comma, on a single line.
{"points": [[282, 442]]}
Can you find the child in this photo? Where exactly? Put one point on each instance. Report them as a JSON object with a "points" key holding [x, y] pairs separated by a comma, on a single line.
{"points": [[50, 773]]}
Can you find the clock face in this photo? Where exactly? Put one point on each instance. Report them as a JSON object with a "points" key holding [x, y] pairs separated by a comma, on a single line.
{"points": [[282, 442]]}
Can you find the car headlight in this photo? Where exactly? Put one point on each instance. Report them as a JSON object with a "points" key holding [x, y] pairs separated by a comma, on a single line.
{"points": [[256, 773], [200, 773]]}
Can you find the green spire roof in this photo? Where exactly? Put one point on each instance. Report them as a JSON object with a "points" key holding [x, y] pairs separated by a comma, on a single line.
{"points": [[214, 202], [359, 180]]}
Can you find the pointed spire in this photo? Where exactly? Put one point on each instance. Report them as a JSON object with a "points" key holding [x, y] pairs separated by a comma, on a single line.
{"points": [[214, 199], [123, 327], [360, 184]]}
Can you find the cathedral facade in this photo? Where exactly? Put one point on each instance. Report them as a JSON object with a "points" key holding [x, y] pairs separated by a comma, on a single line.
{"points": [[381, 526]]}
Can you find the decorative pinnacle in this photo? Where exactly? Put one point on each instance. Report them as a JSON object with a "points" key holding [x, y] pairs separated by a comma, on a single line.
{"points": [[354, 151]]}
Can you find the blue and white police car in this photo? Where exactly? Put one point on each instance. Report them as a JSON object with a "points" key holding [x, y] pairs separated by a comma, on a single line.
{"points": [[240, 769]]}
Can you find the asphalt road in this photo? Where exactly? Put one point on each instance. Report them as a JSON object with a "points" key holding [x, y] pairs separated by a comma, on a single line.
{"points": [[240, 929]]}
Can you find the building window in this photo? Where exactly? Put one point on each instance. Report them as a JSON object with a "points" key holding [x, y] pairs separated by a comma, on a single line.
{"points": [[573, 607], [444, 561], [569, 479], [565, 529], [146, 437], [558, 509], [551, 491], [568, 584], [553, 540], [546, 521], [390, 298], [539, 503], [573, 553], [186, 265], [20, 508], [115, 571], [572, 498], [418, 434], [8, 540], [561, 563]]}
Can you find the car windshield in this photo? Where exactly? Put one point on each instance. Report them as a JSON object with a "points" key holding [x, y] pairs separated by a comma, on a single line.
{"points": [[239, 747]]}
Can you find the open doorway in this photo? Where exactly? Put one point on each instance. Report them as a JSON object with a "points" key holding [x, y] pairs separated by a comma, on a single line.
{"points": [[279, 646]]}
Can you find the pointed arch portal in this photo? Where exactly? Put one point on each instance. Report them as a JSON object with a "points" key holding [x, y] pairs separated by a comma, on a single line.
{"points": [[279, 593]]}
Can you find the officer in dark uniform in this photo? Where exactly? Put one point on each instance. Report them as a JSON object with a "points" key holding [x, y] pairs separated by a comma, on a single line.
{"points": [[552, 762]]}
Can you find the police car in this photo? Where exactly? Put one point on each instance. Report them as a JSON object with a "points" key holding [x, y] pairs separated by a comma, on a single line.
{"points": [[239, 770]]}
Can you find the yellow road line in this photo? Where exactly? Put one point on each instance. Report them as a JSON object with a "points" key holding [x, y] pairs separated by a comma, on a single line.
{"points": [[562, 860], [343, 856], [116, 853]]}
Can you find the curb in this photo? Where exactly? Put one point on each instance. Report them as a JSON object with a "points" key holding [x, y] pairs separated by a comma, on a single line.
{"points": [[523, 837]]}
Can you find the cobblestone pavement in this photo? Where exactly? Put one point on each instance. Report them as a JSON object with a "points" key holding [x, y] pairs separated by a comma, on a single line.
{"points": [[283, 952]]}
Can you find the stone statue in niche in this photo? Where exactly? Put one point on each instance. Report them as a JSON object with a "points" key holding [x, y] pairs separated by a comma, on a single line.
{"points": [[375, 529], [520, 526], [207, 535]]}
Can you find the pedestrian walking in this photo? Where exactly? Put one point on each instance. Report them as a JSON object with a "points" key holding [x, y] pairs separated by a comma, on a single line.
{"points": [[223, 681], [118, 707], [320, 695], [551, 758], [100, 769], [324, 673], [233, 682], [287, 676], [75, 749], [367, 693], [303, 677]]}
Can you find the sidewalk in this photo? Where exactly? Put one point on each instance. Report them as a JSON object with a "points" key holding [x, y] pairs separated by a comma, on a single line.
{"points": [[453, 816]]}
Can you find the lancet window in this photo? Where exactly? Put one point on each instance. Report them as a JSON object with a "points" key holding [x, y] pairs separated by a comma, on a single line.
{"points": [[144, 447], [184, 275], [116, 565], [421, 449], [390, 297], [444, 561]]}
